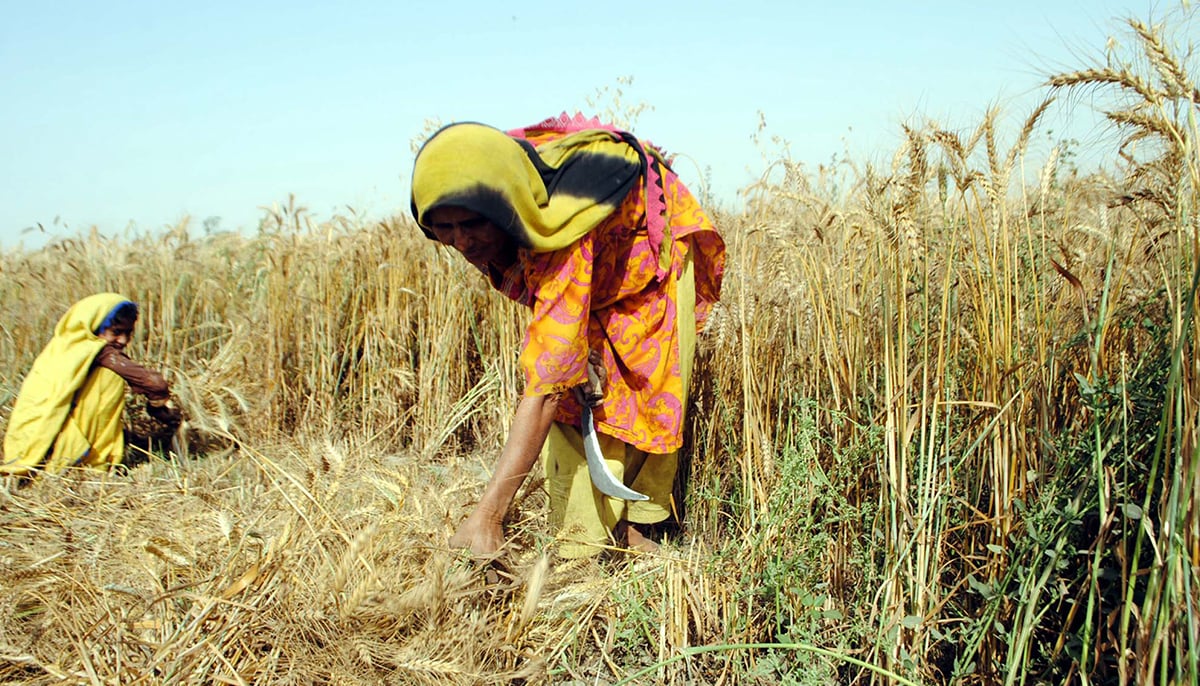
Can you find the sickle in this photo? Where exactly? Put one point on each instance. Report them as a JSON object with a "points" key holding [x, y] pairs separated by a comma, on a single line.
{"points": [[602, 477]]}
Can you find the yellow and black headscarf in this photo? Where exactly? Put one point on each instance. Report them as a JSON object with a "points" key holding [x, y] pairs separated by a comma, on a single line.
{"points": [[546, 197]]}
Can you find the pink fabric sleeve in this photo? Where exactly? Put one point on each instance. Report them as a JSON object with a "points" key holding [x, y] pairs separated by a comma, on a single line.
{"points": [[555, 351]]}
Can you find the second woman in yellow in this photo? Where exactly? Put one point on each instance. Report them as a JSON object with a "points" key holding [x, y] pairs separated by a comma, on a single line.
{"points": [[69, 411]]}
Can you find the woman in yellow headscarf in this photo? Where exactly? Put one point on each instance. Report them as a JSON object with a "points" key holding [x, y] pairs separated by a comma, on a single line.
{"points": [[69, 410], [591, 229]]}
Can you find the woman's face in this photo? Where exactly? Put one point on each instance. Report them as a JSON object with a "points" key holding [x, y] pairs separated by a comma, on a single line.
{"points": [[479, 240], [119, 333]]}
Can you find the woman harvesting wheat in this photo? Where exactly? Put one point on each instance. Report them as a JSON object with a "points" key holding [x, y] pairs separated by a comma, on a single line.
{"points": [[70, 408], [591, 229]]}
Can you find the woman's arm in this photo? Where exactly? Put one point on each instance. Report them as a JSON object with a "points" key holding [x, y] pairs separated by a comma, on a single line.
{"points": [[142, 380], [482, 531]]}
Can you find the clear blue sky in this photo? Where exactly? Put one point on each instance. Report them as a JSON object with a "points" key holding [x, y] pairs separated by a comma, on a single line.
{"points": [[143, 112]]}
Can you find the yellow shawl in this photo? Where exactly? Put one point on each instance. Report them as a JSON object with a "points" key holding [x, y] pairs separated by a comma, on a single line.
{"points": [[546, 198], [66, 412]]}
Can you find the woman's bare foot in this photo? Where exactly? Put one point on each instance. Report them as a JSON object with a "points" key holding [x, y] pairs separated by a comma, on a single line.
{"points": [[638, 541]]}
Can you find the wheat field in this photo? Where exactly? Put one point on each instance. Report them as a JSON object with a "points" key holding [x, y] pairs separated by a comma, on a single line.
{"points": [[943, 430]]}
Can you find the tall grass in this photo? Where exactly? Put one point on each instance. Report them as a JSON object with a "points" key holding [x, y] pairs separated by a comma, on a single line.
{"points": [[943, 430]]}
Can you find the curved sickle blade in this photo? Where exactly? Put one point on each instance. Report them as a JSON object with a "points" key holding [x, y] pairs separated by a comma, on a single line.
{"points": [[602, 477]]}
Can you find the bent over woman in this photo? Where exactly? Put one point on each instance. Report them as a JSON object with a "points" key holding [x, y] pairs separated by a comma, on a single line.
{"points": [[70, 407], [590, 228]]}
